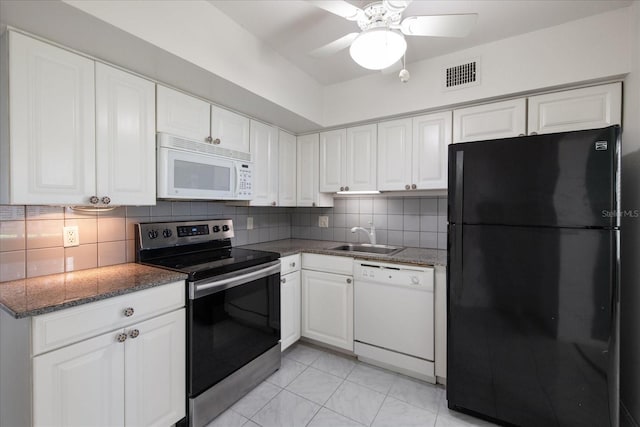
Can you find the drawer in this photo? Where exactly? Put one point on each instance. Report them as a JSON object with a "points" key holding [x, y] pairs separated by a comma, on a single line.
{"points": [[64, 327], [328, 263], [289, 264]]}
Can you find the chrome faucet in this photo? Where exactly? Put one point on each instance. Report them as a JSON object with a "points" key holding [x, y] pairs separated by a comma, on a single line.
{"points": [[371, 234]]}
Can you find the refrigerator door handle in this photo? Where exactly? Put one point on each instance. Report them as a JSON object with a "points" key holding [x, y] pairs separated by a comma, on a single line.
{"points": [[459, 186]]}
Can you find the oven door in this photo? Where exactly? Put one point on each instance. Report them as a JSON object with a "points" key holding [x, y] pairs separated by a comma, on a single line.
{"points": [[231, 320], [192, 175]]}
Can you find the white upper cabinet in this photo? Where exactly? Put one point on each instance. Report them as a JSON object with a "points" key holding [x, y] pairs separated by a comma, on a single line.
{"points": [[360, 160], [125, 137], [395, 148], [308, 187], [48, 157], [578, 109], [348, 159], [183, 115], [490, 121], [287, 148], [412, 153], [431, 137], [333, 147], [229, 130], [264, 151]]}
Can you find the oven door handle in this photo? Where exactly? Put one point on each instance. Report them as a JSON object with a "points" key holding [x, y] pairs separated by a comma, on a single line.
{"points": [[200, 290]]}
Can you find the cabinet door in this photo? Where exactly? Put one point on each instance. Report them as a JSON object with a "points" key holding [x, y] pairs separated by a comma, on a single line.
{"points": [[360, 159], [286, 169], [431, 137], [394, 155], [51, 125], [155, 371], [327, 308], [490, 121], [308, 187], [290, 309], [264, 152], [125, 137], [183, 115], [332, 160], [80, 385], [578, 109], [230, 128]]}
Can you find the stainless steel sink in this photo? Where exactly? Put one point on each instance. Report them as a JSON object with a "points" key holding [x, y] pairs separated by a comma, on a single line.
{"points": [[368, 248]]}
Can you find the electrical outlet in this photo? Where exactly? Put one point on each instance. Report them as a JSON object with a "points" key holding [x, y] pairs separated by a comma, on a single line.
{"points": [[323, 221], [249, 223], [71, 236]]}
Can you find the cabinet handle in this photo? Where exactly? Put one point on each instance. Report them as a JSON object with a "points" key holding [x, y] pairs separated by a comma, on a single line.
{"points": [[407, 187], [293, 264], [522, 134], [413, 186], [128, 312], [216, 141], [273, 203], [106, 200], [94, 200], [313, 204], [533, 133], [208, 139], [348, 280], [134, 333], [346, 188], [341, 188], [283, 280], [121, 337]]}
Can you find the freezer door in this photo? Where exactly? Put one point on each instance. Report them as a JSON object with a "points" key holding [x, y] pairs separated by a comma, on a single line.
{"points": [[531, 324], [563, 179]]}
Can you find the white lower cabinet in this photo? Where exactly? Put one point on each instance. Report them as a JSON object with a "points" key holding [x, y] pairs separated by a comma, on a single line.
{"points": [[289, 300], [115, 362], [327, 299]]}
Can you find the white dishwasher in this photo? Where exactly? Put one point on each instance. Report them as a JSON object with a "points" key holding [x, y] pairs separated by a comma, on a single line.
{"points": [[394, 317]]}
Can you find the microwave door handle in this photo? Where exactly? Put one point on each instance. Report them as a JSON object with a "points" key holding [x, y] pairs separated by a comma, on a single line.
{"points": [[237, 169]]}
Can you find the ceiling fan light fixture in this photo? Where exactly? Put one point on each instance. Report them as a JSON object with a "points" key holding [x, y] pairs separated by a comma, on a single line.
{"points": [[378, 48]]}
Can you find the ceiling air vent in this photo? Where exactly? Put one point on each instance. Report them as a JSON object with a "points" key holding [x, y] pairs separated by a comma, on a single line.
{"points": [[463, 75]]}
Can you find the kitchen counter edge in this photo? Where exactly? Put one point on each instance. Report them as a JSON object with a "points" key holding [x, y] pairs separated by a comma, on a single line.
{"points": [[45, 294]]}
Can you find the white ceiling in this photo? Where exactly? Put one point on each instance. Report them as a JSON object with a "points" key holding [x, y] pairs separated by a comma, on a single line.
{"points": [[293, 28]]}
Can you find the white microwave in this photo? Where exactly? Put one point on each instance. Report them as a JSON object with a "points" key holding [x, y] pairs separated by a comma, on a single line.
{"points": [[196, 170]]}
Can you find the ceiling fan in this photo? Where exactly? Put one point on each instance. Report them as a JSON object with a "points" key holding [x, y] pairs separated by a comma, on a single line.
{"points": [[381, 42]]}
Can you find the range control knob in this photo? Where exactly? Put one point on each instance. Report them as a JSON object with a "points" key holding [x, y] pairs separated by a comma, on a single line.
{"points": [[167, 233], [153, 234], [225, 228], [216, 228], [415, 280]]}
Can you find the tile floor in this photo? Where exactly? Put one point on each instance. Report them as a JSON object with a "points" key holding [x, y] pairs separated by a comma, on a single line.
{"points": [[318, 388]]}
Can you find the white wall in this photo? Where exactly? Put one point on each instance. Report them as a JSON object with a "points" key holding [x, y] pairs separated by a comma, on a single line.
{"points": [[630, 287], [592, 48]]}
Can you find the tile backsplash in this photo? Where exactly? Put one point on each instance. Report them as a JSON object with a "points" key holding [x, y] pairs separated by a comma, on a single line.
{"points": [[31, 236], [403, 221]]}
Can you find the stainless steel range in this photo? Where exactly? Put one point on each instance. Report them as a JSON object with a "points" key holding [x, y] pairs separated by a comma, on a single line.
{"points": [[233, 311]]}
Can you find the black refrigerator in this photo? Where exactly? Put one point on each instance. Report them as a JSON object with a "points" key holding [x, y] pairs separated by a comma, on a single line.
{"points": [[533, 279]]}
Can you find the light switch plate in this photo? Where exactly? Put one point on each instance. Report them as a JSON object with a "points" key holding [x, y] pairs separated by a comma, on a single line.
{"points": [[71, 236], [323, 221]]}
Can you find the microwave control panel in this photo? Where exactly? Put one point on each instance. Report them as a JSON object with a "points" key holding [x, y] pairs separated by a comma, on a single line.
{"points": [[245, 185]]}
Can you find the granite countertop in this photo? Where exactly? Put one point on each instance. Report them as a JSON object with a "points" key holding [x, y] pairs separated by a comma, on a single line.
{"points": [[39, 295], [415, 256]]}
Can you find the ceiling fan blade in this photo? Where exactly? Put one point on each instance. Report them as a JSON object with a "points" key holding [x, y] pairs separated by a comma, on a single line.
{"points": [[335, 46], [340, 8], [393, 68], [396, 5], [439, 25]]}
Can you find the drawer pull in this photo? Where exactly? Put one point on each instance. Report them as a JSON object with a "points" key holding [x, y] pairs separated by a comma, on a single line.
{"points": [[121, 337], [348, 280], [293, 264], [128, 312], [134, 333], [283, 280]]}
